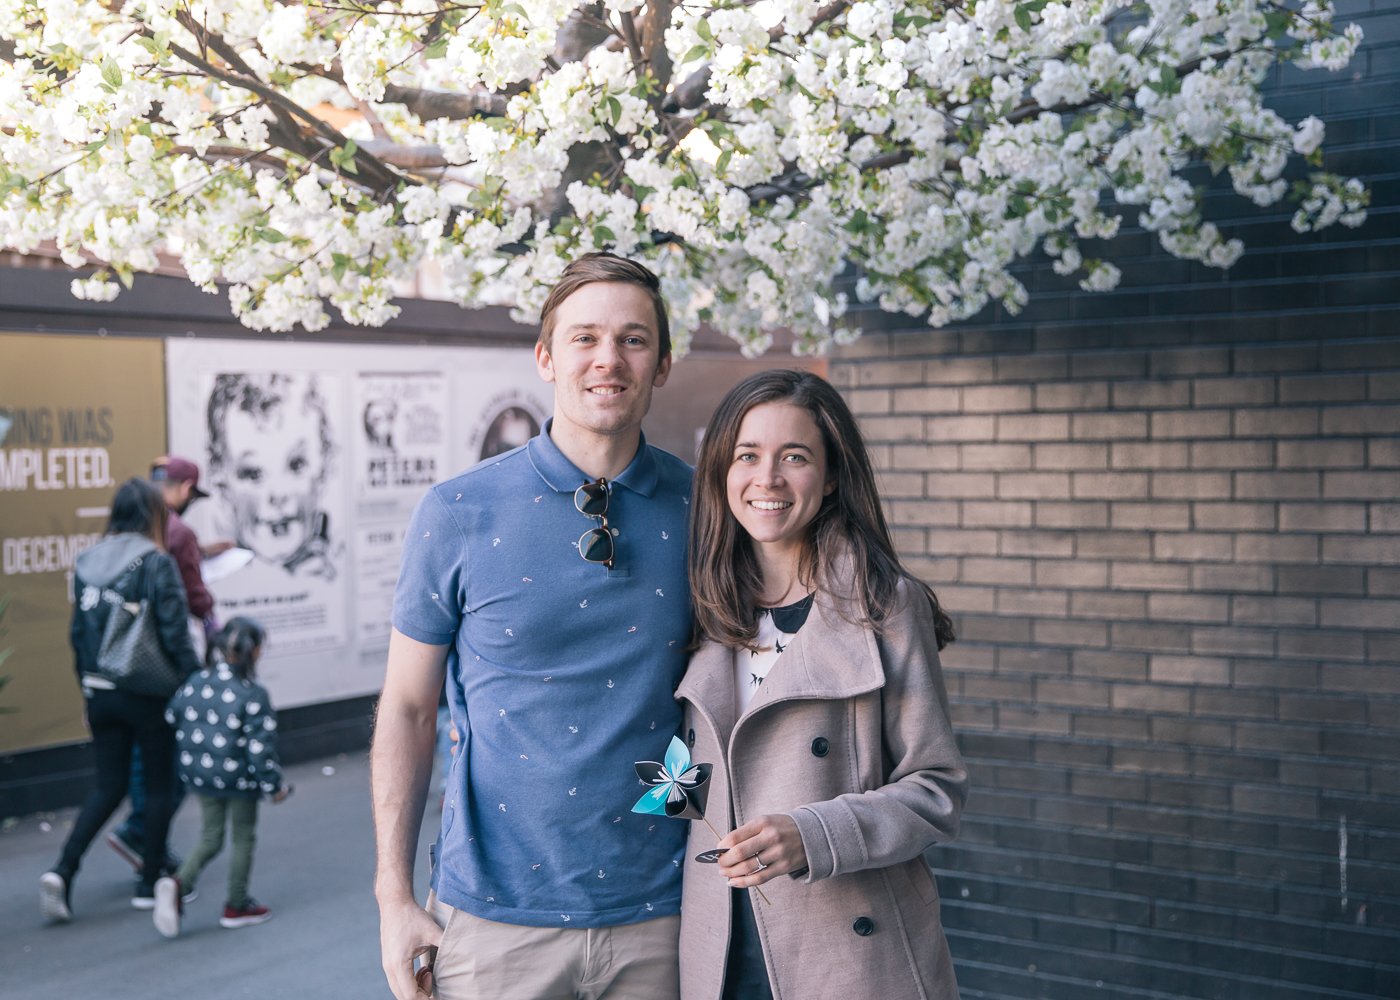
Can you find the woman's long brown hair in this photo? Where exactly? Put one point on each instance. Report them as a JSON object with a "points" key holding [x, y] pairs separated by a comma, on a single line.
{"points": [[724, 572]]}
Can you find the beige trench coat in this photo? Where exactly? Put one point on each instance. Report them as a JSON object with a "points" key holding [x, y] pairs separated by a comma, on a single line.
{"points": [[849, 736]]}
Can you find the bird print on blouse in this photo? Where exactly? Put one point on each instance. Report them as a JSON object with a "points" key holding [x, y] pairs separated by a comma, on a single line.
{"points": [[776, 628]]}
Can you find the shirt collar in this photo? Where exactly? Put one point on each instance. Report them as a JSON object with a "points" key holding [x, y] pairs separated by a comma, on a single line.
{"points": [[563, 476]]}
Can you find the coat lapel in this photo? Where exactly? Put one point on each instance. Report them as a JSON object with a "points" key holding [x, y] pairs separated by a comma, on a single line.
{"points": [[709, 685], [829, 658]]}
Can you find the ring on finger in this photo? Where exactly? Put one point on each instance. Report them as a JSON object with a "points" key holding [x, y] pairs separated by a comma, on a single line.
{"points": [[760, 863]]}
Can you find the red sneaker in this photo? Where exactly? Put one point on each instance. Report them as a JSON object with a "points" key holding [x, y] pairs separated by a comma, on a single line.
{"points": [[247, 915]]}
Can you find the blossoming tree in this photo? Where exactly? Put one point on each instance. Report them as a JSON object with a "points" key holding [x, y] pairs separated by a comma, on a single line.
{"points": [[750, 150]]}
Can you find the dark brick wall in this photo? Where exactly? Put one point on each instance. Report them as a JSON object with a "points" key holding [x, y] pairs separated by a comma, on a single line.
{"points": [[1167, 521]]}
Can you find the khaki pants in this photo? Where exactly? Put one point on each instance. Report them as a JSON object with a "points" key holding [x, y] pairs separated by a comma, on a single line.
{"points": [[483, 960]]}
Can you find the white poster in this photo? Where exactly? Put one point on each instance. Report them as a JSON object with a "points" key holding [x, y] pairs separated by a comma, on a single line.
{"points": [[315, 457]]}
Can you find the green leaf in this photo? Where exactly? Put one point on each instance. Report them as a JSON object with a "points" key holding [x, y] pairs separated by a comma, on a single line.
{"points": [[1023, 17], [270, 235], [437, 49], [614, 109], [340, 263], [723, 160], [702, 28], [111, 73], [126, 276], [602, 234], [696, 52]]}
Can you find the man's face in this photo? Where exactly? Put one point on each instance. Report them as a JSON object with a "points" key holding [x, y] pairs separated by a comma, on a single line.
{"points": [[602, 360], [273, 475], [177, 494]]}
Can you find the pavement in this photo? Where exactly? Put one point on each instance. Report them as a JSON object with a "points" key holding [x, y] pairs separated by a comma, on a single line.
{"points": [[313, 867]]}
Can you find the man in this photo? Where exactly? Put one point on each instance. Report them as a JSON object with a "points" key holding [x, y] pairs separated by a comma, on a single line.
{"points": [[547, 584], [178, 480]]}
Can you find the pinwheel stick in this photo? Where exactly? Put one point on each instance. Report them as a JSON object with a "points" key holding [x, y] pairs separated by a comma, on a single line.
{"points": [[719, 836]]}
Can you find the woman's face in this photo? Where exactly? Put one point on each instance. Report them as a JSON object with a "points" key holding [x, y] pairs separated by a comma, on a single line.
{"points": [[777, 476], [273, 479]]}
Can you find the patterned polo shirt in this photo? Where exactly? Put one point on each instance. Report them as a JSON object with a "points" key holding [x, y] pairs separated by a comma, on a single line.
{"points": [[560, 676]]}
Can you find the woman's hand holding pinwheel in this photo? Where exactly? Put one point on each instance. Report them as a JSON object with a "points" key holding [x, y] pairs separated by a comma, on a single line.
{"points": [[760, 850]]}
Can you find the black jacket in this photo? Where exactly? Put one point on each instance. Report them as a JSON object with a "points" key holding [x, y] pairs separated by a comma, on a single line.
{"points": [[132, 566]]}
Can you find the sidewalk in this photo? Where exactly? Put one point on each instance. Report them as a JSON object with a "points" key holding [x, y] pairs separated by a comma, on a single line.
{"points": [[313, 867]]}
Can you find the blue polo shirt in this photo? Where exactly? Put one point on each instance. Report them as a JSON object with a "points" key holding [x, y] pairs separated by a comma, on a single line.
{"points": [[560, 677]]}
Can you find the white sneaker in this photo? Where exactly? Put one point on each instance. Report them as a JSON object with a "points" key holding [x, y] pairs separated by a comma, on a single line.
{"points": [[168, 906], [53, 898]]}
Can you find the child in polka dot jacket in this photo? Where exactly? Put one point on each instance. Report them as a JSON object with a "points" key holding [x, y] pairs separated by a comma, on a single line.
{"points": [[226, 739]]}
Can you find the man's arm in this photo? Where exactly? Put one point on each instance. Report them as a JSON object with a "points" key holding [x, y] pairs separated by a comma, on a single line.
{"points": [[401, 764]]}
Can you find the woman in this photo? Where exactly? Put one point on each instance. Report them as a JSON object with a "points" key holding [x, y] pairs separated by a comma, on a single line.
{"points": [[817, 695], [123, 571]]}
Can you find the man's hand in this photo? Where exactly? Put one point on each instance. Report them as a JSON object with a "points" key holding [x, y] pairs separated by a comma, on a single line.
{"points": [[406, 931], [215, 548]]}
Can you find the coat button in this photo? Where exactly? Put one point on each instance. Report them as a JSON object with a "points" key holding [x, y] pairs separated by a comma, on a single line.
{"points": [[820, 747], [690, 738], [863, 926]]}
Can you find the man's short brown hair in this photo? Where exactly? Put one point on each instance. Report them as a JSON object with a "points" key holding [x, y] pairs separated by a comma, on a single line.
{"points": [[595, 267]]}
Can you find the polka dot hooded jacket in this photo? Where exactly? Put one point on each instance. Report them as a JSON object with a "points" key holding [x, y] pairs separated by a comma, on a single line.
{"points": [[225, 735]]}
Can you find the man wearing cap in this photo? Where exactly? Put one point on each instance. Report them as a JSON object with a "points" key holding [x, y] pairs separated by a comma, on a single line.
{"points": [[178, 479]]}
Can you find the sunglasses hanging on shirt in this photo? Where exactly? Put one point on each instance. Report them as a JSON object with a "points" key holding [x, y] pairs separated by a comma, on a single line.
{"points": [[596, 544]]}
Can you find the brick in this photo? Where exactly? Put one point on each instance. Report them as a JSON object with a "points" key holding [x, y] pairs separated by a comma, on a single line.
{"points": [[1070, 633], [1373, 419], [1188, 607], [1282, 548], [973, 485], [1273, 674], [1152, 698], [1233, 640], [1113, 364], [1217, 702], [924, 458], [1082, 693], [1385, 517], [1069, 457], [948, 541], [1107, 604], [1192, 547], [1071, 396], [1234, 391], [963, 600], [1361, 485], [1363, 678], [1108, 426], [1163, 669], [1033, 486], [1151, 760], [1115, 544], [1320, 708], [1190, 485], [1049, 514], [1110, 727], [1269, 800], [1033, 720], [1268, 422], [1110, 485], [1013, 572], [1108, 786], [1192, 424], [1192, 732], [923, 512], [1032, 660], [1277, 485], [1072, 573], [966, 716], [1383, 583], [1255, 610], [1157, 456], [1336, 580], [1325, 453], [868, 402], [1154, 637], [1381, 648], [1235, 578], [995, 457], [1366, 549], [1191, 361], [1321, 388], [1383, 453], [998, 688], [1037, 543], [1322, 517], [996, 398], [924, 399], [1154, 516], [1232, 455], [1033, 427], [1385, 386], [909, 542], [1036, 603], [941, 428], [1343, 613], [994, 628], [1032, 367], [1108, 665], [1150, 576], [1235, 516], [893, 429], [888, 373], [901, 485], [1276, 737], [994, 514]]}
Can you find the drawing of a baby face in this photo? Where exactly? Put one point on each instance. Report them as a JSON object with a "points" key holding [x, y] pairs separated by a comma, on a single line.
{"points": [[274, 463]]}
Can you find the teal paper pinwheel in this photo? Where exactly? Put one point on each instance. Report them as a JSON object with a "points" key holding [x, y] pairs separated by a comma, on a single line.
{"points": [[679, 788]]}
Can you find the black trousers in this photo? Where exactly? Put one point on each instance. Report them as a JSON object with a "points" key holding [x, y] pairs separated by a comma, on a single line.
{"points": [[120, 721]]}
